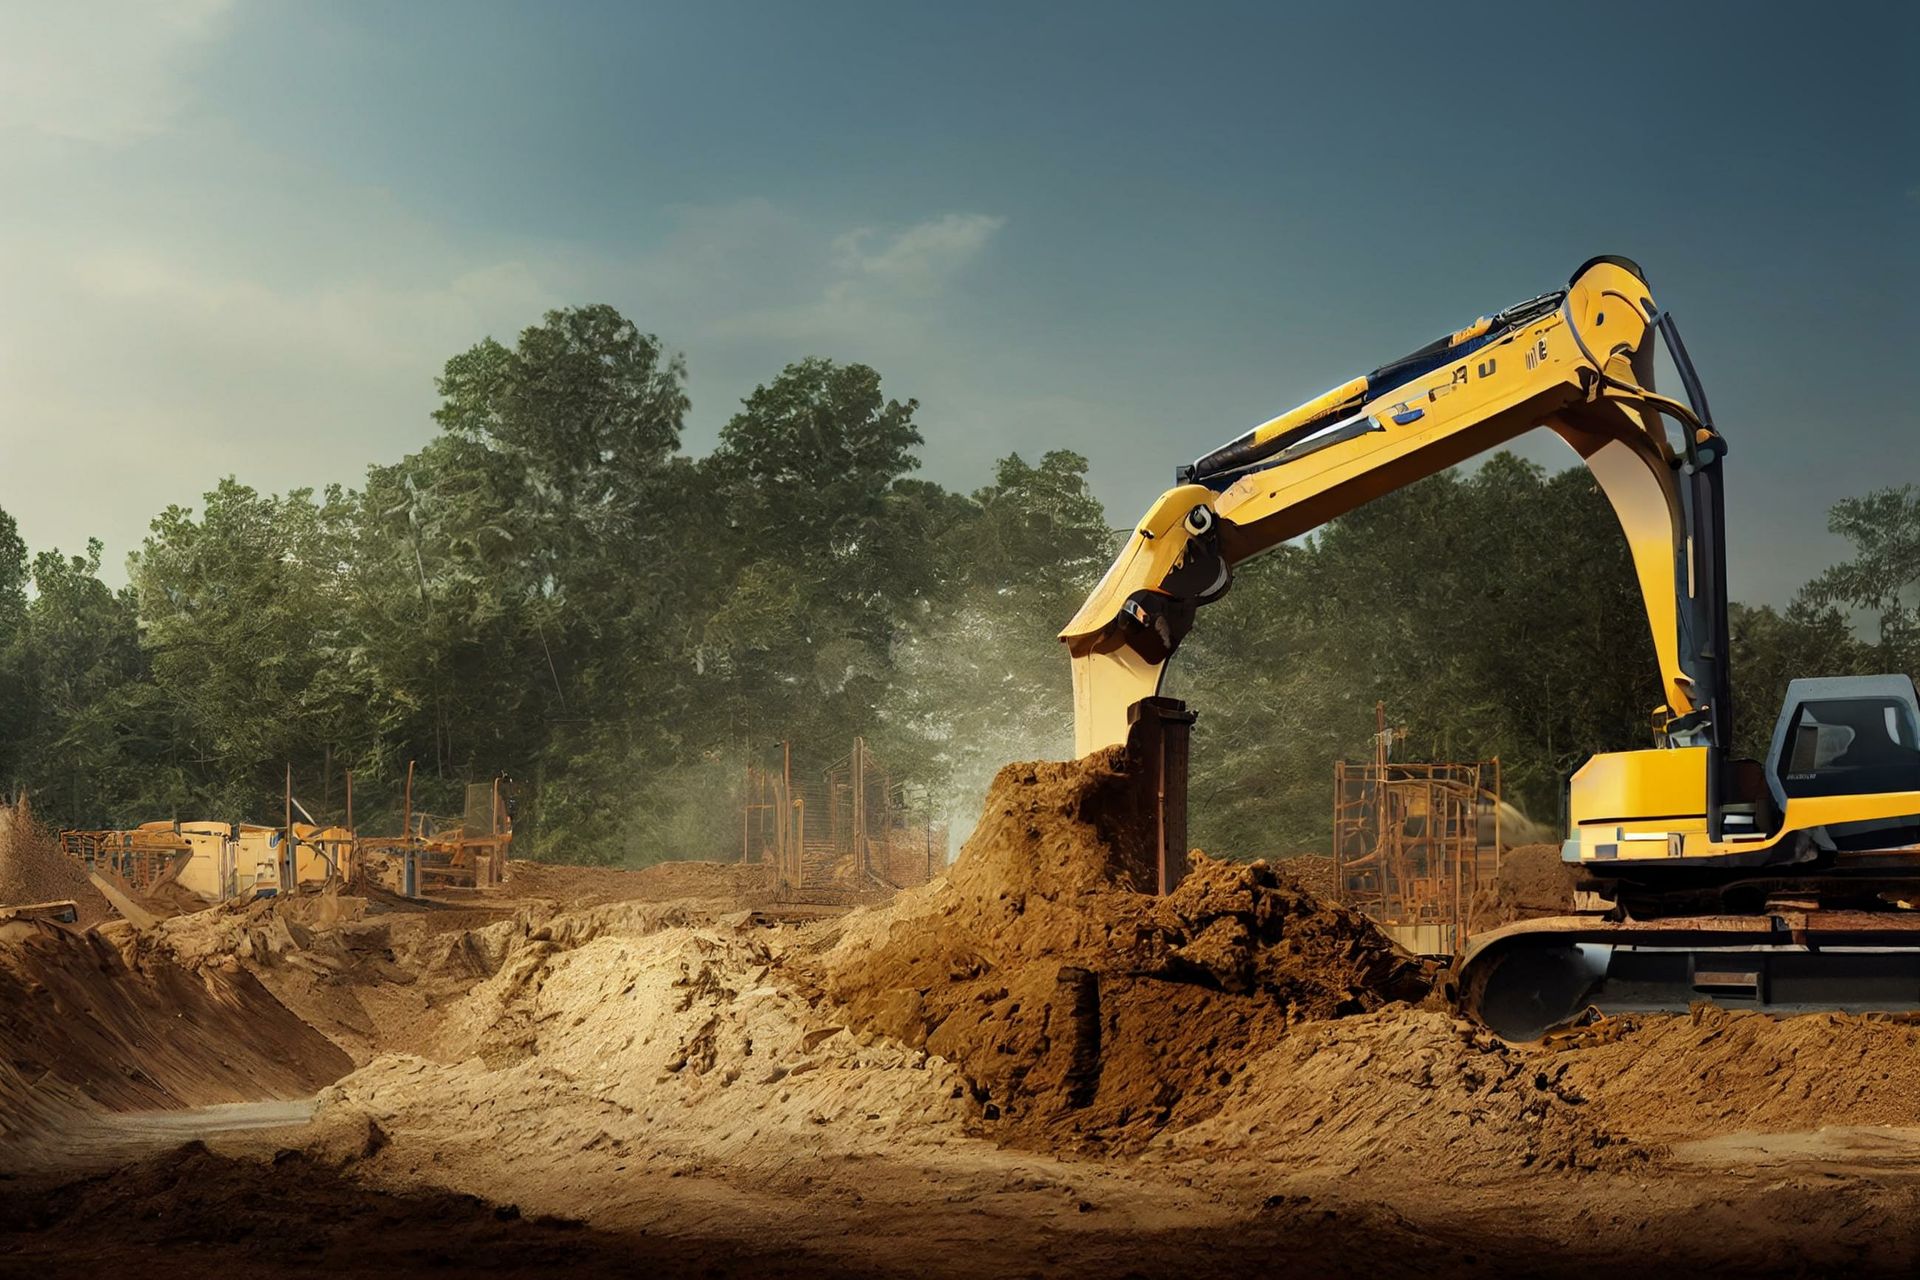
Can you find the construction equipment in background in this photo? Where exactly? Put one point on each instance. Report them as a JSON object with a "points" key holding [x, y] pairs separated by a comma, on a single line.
{"points": [[443, 852], [222, 861], [846, 833], [215, 860], [1413, 842], [1786, 883], [141, 858]]}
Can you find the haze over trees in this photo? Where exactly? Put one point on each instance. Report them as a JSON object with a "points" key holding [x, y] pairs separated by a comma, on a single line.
{"points": [[553, 589]]}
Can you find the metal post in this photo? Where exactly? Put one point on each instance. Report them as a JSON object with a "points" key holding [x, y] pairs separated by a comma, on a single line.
{"points": [[859, 787], [1499, 849], [353, 836], [290, 877], [1157, 748], [792, 820]]}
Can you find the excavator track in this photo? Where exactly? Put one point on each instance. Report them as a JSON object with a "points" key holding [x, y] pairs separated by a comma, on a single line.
{"points": [[1527, 979]]}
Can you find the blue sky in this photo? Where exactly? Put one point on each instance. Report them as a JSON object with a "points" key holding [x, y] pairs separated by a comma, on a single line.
{"points": [[241, 237]]}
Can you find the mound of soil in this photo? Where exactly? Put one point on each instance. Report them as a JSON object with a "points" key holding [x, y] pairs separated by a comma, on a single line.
{"points": [[1532, 882], [1720, 1071], [1409, 1087], [151, 1034], [1312, 872], [1083, 1010], [649, 1033], [33, 870], [79, 1022]]}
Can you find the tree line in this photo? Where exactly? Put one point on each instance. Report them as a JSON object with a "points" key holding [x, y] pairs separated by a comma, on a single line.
{"points": [[552, 588]]}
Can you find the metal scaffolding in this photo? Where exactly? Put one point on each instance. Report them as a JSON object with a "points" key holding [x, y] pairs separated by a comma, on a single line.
{"points": [[1413, 842], [839, 834]]}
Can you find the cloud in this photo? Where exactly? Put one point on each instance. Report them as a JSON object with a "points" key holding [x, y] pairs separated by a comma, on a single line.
{"points": [[870, 287], [100, 71], [292, 337], [918, 260]]}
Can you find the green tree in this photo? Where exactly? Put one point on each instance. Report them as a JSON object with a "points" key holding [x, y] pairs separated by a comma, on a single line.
{"points": [[1883, 577], [15, 694], [1770, 648], [826, 551], [95, 745], [245, 618], [520, 598], [980, 676]]}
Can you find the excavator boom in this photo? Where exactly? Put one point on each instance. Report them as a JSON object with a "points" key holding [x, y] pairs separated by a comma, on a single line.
{"points": [[1579, 362]]}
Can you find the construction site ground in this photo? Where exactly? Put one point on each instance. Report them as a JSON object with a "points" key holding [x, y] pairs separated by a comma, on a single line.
{"points": [[1024, 1068]]}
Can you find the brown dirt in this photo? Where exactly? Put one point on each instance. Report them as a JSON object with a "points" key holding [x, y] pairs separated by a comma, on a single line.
{"points": [[1718, 1072], [661, 882], [1409, 1088], [1533, 882], [709, 1089], [1313, 872], [204, 1209], [83, 1028], [33, 870], [1083, 1010]]}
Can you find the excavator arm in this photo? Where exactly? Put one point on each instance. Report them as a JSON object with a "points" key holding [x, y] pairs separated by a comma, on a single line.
{"points": [[1785, 885], [1578, 362]]}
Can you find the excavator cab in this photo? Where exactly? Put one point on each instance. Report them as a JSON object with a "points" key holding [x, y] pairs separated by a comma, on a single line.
{"points": [[1849, 736]]}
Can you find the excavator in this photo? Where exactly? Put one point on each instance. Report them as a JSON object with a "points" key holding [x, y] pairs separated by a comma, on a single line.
{"points": [[1788, 884]]}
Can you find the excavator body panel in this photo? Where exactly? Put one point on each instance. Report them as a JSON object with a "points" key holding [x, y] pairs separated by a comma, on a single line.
{"points": [[1630, 806]]}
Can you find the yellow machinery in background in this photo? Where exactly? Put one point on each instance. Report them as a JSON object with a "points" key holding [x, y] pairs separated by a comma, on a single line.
{"points": [[1778, 883], [219, 861]]}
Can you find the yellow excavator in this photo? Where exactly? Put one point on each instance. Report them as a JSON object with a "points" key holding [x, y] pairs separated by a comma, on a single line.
{"points": [[1790, 883]]}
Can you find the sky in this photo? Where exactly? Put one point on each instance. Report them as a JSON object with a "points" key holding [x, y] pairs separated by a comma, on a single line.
{"points": [[240, 237]]}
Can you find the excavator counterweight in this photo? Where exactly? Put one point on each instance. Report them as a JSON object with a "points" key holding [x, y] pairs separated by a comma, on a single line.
{"points": [[1786, 883]]}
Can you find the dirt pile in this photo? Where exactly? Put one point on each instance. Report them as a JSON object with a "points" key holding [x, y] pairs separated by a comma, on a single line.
{"points": [[32, 868], [1408, 1087], [1532, 882], [370, 979], [648, 1034], [1082, 1010], [1312, 872], [1718, 1071]]}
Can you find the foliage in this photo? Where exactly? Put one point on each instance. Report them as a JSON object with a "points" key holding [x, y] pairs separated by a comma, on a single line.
{"points": [[1883, 577]]}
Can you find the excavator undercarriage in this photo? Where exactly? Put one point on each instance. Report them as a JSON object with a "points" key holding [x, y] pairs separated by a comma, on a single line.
{"points": [[1820, 917], [1789, 883]]}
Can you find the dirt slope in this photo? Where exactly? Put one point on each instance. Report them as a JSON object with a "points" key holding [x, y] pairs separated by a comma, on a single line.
{"points": [[1532, 882], [32, 868]]}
